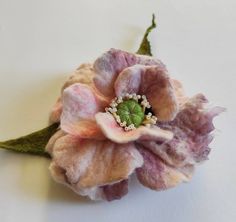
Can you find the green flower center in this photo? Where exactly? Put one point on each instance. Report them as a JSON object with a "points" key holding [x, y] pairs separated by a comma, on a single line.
{"points": [[131, 112]]}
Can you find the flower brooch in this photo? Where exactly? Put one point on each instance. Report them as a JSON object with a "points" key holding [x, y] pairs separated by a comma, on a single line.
{"points": [[122, 115]]}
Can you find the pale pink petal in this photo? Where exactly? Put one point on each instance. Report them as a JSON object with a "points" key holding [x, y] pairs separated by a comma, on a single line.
{"points": [[115, 191], [111, 63], [58, 174], [192, 129], [179, 92], [83, 74], [87, 129], [117, 134], [187, 170], [156, 175], [87, 166], [155, 84], [129, 80], [80, 104], [53, 139]]}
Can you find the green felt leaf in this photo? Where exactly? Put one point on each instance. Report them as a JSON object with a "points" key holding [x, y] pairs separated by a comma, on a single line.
{"points": [[33, 143], [145, 47], [131, 112]]}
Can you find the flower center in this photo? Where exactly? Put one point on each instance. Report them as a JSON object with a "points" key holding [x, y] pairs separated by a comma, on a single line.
{"points": [[131, 111]]}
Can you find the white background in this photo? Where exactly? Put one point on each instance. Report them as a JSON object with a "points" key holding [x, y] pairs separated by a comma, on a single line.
{"points": [[42, 41]]}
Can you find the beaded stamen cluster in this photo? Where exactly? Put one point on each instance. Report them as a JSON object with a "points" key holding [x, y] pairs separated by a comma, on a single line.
{"points": [[148, 118]]}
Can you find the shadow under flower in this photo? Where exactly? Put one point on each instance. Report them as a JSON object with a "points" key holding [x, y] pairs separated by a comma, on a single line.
{"points": [[60, 193], [36, 183]]}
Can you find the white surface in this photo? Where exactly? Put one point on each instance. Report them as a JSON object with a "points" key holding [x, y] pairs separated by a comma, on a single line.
{"points": [[42, 41]]}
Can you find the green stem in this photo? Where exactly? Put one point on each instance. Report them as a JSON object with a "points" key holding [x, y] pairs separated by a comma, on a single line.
{"points": [[145, 47]]}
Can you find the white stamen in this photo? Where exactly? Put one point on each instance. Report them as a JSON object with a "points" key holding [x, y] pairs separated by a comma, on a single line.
{"points": [[143, 103], [131, 126], [149, 120], [113, 104], [154, 118], [123, 124], [152, 121], [113, 110], [118, 120], [114, 100], [119, 100], [127, 95]]}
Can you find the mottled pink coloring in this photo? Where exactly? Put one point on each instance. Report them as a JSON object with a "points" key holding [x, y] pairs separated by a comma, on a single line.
{"points": [[95, 157]]}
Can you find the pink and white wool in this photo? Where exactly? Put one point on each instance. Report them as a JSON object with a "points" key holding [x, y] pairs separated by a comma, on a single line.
{"points": [[95, 157]]}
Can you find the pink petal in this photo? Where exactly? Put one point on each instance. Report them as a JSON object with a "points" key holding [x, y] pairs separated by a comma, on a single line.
{"points": [[53, 139], [88, 165], [129, 80], [58, 174], [111, 63], [192, 129], [115, 191], [156, 175], [80, 104], [154, 83], [86, 129], [84, 74], [179, 92], [114, 132]]}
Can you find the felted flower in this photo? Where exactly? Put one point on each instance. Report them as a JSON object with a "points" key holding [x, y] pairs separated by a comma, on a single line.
{"points": [[124, 115]]}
